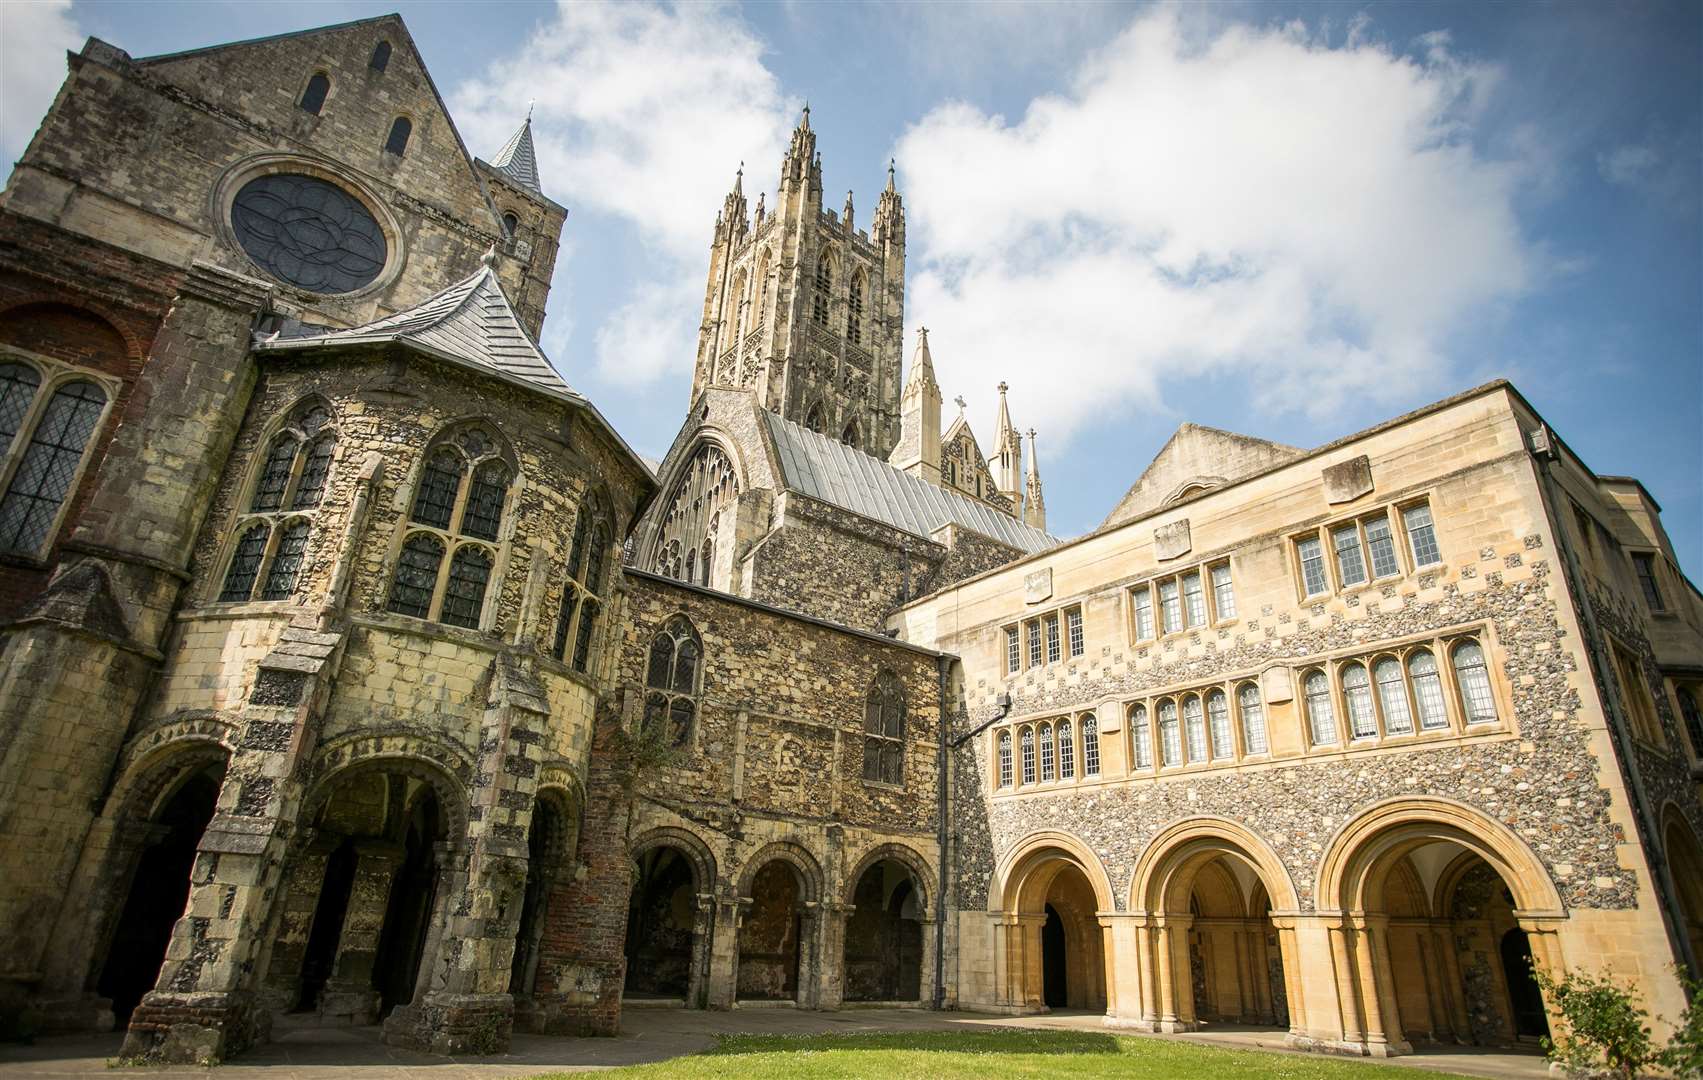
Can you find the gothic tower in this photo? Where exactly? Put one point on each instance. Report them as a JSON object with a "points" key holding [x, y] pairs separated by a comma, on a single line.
{"points": [[805, 309]]}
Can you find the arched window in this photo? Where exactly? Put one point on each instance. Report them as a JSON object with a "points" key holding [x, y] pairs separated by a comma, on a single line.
{"points": [[1357, 689], [271, 535], [1320, 716], [824, 285], [1218, 718], [1044, 736], [1028, 741], [313, 98], [1090, 746], [42, 469], [673, 675], [381, 56], [854, 310], [1427, 690], [1477, 699], [884, 730], [760, 285], [1392, 697], [1005, 759], [814, 420], [1194, 728], [576, 615], [511, 225], [850, 436], [1066, 752], [1141, 739], [1253, 719], [1690, 718], [703, 500], [1170, 734], [459, 505], [397, 142]]}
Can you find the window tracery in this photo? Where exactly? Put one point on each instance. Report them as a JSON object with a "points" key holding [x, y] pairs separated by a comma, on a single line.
{"points": [[673, 676], [884, 731], [582, 592], [272, 531], [700, 508], [458, 508]]}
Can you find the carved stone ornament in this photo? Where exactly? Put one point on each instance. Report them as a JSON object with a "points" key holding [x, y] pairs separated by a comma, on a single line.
{"points": [[1038, 586], [1348, 480], [1172, 541]]}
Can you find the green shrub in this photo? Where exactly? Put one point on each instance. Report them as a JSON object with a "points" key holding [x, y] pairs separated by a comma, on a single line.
{"points": [[1604, 1028], [1684, 1053]]}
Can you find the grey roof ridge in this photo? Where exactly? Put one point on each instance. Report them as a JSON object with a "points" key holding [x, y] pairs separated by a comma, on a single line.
{"points": [[183, 54]]}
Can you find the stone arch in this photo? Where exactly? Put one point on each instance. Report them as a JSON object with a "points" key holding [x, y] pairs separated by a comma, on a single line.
{"points": [[697, 853], [1017, 867], [27, 312], [444, 767], [1187, 844], [670, 921], [899, 853], [144, 779], [804, 865], [1684, 854], [1050, 931], [1191, 487]]}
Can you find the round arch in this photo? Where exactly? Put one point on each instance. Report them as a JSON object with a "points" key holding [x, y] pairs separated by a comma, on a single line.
{"points": [[899, 853], [1171, 859], [443, 767], [1022, 888], [803, 863], [15, 312], [153, 760], [1379, 835], [697, 853]]}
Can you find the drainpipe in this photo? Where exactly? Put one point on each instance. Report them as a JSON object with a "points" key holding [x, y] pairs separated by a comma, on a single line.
{"points": [[943, 670], [1543, 449]]}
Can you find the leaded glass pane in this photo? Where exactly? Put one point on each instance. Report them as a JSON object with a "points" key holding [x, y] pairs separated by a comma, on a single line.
{"points": [[286, 562], [1073, 630], [576, 552], [1312, 566], [1350, 563], [1474, 678], [1045, 737], [1143, 613], [1319, 712], [1194, 594], [245, 564], [309, 233], [1357, 688], [1223, 592], [1427, 690], [1005, 759], [600, 546], [565, 622], [1421, 535], [1052, 639], [583, 633], [1194, 728], [1090, 746], [464, 592], [1392, 695], [659, 671], [1066, 752], [18, 383], [416, 576], [1253, 719], [1692, 719], [1218, 715], [275, 475], [680, 714], [686, 667], [1170, 606], [1028, 755], [434, 502], [1382, 546], [483, 515], [1013, 655], [48, 466], [1140, 737], [1170, 734], [317, 466], [656, 716], [1034, 644]]}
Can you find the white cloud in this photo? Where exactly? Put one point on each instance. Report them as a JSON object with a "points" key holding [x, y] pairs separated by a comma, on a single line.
{"points": [[635, 105], [1227, 201], [34, 37], [1662, 168]]}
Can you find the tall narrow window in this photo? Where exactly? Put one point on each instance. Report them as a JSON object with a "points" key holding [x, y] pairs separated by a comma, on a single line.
{"points": [[18, 384], [1421, 535], [703, 501], [1073, 628], [313, 98], [1218, 719], [1312, 558], [1028, 742], [1005, 759], [381, 56], [577, 619], [459, 502], [1474, 679], [1350, 561], [1194, 728], [1382, 547], [854, 311], [1691, 718], [1253, 718], [1427, 690], [1170, 606], [1013, 654], [1143, 613], [1194, 595], [1066, 752], [511, 225], [1034, 629], [1090, 746], [1140, 737], [1170, 734], [1044, 736], [1052, 638], [673, 675], [397, 142], [1645, 563], [1320, 716], [824, 284], [1223, 592], [1392, 696], [884, 731], [293, 473], [1357, 689], [42, 480]]}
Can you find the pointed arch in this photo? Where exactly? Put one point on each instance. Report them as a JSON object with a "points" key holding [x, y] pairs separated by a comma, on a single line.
{"points": [[703, 498]]}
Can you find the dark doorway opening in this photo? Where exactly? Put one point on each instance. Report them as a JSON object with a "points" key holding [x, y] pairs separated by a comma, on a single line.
{"points": [[543, 843], [158, 893], [327, 928], [660, 916], [1524, 996], [768, 940], [884, 939], [408, 914], [1055, 991]]}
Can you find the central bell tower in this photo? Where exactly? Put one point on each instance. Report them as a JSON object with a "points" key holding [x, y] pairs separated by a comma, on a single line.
{"points": [[805, 309]]}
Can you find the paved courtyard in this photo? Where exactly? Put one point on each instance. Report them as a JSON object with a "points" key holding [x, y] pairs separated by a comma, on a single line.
{"points": [[647, 1034]]}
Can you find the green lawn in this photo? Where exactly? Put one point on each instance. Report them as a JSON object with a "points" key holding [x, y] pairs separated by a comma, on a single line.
{"points": [[1008, 1053]]}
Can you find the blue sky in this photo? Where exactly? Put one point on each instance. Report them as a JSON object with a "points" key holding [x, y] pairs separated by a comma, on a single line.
{"points": [[1288, 219]]}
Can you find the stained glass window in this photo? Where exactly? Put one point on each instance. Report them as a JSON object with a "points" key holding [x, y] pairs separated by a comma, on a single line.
{"points": [[315, 468], [416, 575], [245, 564], [434, 501], [309, 233], [464, 592], [286, 562], [484, 512]]}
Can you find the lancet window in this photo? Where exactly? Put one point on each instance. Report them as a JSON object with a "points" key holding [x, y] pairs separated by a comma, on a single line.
{"points": [[673, 677], [270, 537], [450, 542], [700, 511], [582, 592]]}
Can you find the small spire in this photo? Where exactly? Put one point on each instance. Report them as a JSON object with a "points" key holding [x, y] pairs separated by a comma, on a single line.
{"points": [[490, 256], [739, 179], [847, 212], [804, 122], [891, 164], [961, 403], [531, 102], [518, 160]]}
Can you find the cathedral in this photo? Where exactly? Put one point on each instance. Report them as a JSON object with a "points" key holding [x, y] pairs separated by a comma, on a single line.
{"points": [[356, 670]]}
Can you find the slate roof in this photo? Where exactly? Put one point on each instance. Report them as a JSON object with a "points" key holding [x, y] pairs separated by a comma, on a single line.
{"points": [[825, 469], [518, 160], [470, 324]]}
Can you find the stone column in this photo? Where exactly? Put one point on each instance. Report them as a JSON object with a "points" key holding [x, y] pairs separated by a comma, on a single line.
{"points": [[724, 952], [703, 940], [831, 986], [1176, 994], [349, 993], [1122, 933], [1293, 992], [304, 874], [1352, 1026], [1031, 996], [1383, 1011], [810, 955]]}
